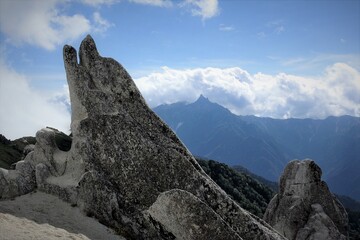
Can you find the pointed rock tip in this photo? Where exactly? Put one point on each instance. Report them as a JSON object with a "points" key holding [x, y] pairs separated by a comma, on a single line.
{"points": [[88, 50], [202, 98], [88, 38], [69, 54]]}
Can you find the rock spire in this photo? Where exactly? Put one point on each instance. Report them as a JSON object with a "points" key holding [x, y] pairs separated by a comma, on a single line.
{"points": [[304, 208]]}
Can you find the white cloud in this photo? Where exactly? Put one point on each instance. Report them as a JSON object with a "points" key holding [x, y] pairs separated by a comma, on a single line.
{"points": [[157, 3], [39, 23], [279, 29], [24, 111], [204, 8], [100, 24], [318, 61], [336, 92]]}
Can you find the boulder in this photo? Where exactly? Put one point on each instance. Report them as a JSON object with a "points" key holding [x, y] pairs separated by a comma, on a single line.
{"points": [[305, 208], [17, 182]]}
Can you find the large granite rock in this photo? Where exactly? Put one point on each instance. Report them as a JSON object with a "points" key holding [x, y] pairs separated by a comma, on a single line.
{"points": [[127, 168], [131, 157], [304, 208]]}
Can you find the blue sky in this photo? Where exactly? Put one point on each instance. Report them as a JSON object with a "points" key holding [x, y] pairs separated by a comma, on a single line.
{"points": [[276, 59]]}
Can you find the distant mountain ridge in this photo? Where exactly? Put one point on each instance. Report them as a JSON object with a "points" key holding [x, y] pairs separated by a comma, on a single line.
{"points": [[265, 145], [212, 131], [333, 142]]}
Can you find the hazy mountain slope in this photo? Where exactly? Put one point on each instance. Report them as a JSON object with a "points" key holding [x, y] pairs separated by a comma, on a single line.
{"points": [[349, 203], [264, 145], [333, 142], [213, 132]]}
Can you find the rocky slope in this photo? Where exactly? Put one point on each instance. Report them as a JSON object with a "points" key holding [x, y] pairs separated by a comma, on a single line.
{"points": [[125, 166], [304, 208], [244, 189]]}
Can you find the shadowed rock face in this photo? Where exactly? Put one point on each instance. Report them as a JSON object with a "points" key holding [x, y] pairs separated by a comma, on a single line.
{"points": [[127, 168], [304, 207]]}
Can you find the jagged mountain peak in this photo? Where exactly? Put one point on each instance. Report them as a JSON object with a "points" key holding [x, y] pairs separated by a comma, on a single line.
{"points": [[202, 99]]}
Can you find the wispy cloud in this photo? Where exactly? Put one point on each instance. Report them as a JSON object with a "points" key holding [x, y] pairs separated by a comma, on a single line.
{"points": [[100, 24], [96, 3], [319, 61], [261, 35], [335, 92], [203, 8], [293, 61], [276, 26], [279, 29], [225, 28], [157, 3], [273, 27]]}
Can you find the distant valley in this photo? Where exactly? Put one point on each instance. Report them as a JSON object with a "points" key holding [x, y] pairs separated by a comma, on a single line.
{"points": [[265, 145]]}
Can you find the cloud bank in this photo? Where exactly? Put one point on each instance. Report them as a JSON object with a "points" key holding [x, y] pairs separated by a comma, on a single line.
{"points": [[40, 23], [24, 111], [336, 92]]}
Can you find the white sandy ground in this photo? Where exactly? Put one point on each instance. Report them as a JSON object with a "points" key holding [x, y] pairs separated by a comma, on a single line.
{"points": [[40, 216]]}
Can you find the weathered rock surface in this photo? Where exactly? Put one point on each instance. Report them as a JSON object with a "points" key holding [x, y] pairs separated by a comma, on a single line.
{"points": [[187, 217], [304, 208], [125, 164], [17, 182]]}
